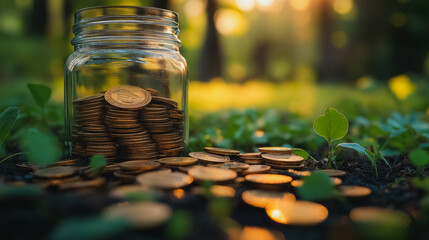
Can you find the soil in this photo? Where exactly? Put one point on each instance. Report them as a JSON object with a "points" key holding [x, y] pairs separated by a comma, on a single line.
{"points": [[34, 217]]}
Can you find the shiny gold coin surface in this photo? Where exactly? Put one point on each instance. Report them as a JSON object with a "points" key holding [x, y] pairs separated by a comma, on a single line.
{"points": [[253, 169], [283, 166], [268, 179], [178, 161], [222, 151], [300, 213], [141, 165], [143, 215], [209, 157], [165, 100], [90, 98], [164, 179], [354, 191], [56, 172], [298, 183], [257, 233], [333, 172], [128, 97], [275, 150], [202, 173], [283, 158], [261, 198], [216, 190], [374, 215], [250, 155]]}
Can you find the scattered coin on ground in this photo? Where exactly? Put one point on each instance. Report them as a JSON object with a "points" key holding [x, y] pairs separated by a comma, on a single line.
{"points": [[268, 180], [236, 166], [299, 213], [142, 215], [333, 172], [178, 161], [139, 165], [261, 198], [164, 179], [56, 172], [354, 191], [215, 190], [202, 173], [221, 151], [298, 183], [209, 157], [256, 233], [377, 215], [282, 158], [275, 150], [253, 169]]}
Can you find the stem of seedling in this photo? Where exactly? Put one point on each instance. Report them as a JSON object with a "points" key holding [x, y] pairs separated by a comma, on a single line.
{"points": [[329, 155], [11, 156]]}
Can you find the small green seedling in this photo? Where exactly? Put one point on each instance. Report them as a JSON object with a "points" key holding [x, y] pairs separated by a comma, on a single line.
{"points": [[419, 157], [97, 163], [42, 148]]}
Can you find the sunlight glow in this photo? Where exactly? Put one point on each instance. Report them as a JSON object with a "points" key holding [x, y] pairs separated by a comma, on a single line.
{"points": [[265, 3], [342, 6], [245, 5], [179, 193], [300, 5], [194, 8], [401, 86], [259, 133], [230, 22]]}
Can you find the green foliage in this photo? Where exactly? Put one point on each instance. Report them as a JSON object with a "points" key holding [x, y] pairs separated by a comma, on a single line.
{"points": [[97, 163], [12, 191], [179, 226], [89, 228], [7, 121], [422, 183], [331, 126], [316, 187], [42, 148], [41, 93], [419, 157], [358, 148], [300, 152]]}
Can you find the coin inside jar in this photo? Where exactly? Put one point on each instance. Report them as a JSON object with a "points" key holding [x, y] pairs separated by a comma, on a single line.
{"points": [[261, 198], [142, 215], [202, 173], [165, 179], [128, 97]]}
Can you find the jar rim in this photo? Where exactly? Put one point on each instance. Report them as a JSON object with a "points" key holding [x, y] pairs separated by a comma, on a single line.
{"points": [[89, 13]]}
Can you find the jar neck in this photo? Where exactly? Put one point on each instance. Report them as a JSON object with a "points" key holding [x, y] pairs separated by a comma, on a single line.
{"points": [[126, 27]]}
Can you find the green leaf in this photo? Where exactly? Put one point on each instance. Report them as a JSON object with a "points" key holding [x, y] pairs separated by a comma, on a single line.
{"points": [[358, 148], [97, 163], [89, 228], [42, 148], [300, 152], [41, 93], [331, 126], [7, 120], [422, 183], [419, 157], [316, 187], [179, 226]]}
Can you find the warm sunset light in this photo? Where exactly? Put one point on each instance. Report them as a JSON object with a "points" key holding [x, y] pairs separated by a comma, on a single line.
{"points": [[300, 5], [245, 5], [230, 22], [342, 6]]}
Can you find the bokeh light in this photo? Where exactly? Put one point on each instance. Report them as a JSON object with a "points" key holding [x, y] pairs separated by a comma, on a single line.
{"points": [[342, 6], [300, 5], [194, 8], [245, 5], [401, 86], [230, 22]]}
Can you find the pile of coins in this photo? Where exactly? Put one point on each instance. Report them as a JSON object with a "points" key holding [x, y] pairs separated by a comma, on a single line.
{"points": [[251, 158], [127, 123], [281, 158]]}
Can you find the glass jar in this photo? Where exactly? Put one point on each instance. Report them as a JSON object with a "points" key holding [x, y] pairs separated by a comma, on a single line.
{"points": [[128, 54]]}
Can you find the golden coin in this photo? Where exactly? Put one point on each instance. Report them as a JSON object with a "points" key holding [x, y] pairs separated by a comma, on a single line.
{"points": [[129, 190], [165, 179], [221, 151], [124, 177], [250, 155], [215, 190], [56, 172], [236, 166], [374, 215], [90, 98], [282, 158], [256, 233], [185, 169], [283, 166], [261, 198], [354, 191], [253, 169], [268, 180], [163, 100], [208, 157], [139, 165], [93, 183], [178, 161], [128, 97], [333, 172], [298, 183], [142, 215], [300, 213], [275, 150], [202, 173]]}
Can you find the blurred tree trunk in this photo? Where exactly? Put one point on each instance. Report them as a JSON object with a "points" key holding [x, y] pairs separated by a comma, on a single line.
{"points": [[210, 59], [328, 54], [38, 18]]}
